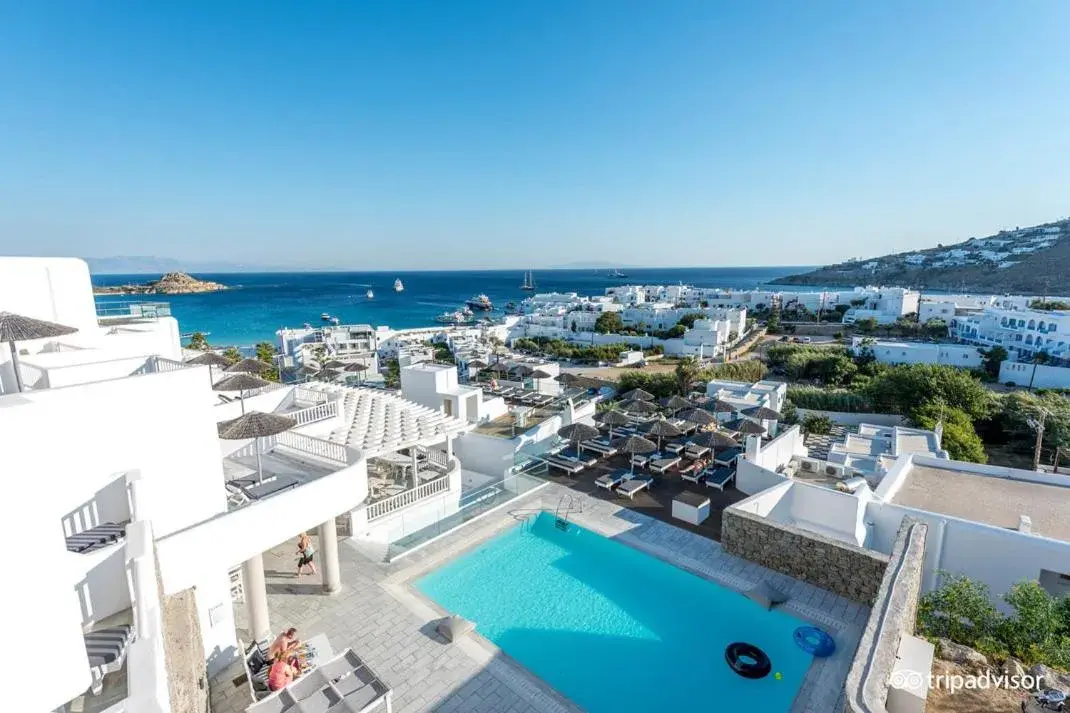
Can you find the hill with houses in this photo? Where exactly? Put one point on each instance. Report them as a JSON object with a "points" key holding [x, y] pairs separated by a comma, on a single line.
{"points": [[1033, 260]]}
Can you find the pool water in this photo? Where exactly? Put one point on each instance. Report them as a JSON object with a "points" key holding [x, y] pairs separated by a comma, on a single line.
{"points": [[613, 629]]}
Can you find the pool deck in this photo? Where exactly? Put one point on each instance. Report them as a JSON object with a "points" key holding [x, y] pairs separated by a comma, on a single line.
{"points": [[381, 616]]}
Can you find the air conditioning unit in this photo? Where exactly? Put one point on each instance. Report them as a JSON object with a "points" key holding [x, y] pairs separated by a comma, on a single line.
{"points": [[809, 465], [834, 470]]}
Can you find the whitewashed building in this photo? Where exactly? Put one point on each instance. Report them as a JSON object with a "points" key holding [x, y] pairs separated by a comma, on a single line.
{"points": [[893, 352], [1022, 332]]}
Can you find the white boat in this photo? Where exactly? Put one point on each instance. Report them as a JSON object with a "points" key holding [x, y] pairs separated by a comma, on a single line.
{"points": [[370, 294], [398, 285], [325, 317], [481, 303], [529, 282], [335, 321], [455, 317]]}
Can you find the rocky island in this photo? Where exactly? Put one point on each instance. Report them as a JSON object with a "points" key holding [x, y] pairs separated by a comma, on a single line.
{"points": [[172, 283]]}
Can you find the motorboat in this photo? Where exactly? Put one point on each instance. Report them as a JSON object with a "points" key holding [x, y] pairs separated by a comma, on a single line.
{"points": [[480, 303], [325, 317], [399, 286], [370, 295]]}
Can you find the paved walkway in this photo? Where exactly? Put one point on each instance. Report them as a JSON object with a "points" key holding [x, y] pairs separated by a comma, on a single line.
{"points": [[392, 628]]}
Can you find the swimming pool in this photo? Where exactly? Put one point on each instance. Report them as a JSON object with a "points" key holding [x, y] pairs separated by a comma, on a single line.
{"points": [[613, 629]]}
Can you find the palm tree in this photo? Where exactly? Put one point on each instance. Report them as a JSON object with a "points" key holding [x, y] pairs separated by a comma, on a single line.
{"points": [[198, 342], [232, 355], [685, 375]]}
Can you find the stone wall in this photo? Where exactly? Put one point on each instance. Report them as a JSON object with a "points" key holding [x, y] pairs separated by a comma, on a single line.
{"points": [[836, 566], [184, 651], [893, 615]]}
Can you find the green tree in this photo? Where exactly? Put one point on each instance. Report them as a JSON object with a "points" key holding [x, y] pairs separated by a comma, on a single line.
{"points": [[959, 439], [904, 388], [1036, 619], [232, 355], [675, 332], [573, 326], [867, 325], [198, 342], [960, 610], [935, 329], [608, 323], [992, 358], [818, 425], [265, 352], [772, 325], [392, 374], [686, 373], [689, 319]]}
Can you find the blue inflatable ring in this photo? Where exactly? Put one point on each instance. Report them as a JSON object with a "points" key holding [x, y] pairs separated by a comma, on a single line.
{"points": [[814, 641]]}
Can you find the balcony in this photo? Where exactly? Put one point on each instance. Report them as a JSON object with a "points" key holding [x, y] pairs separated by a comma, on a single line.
{"points": [[118, 312], [50, 370]]}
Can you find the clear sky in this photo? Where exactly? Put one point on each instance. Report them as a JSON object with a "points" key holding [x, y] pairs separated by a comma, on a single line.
{"points": [[510, 133]]}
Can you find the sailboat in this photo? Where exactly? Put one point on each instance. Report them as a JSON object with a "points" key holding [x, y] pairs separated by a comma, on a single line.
{"points": [[398, 285], [370, 294], [529, 282]]}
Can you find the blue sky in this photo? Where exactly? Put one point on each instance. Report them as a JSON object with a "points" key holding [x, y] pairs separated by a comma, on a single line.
{"points": [[535, 132]]}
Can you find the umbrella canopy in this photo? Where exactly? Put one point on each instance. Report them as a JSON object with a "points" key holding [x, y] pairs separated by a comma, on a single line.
{"points": [[540, 374], [675, 403], [662, 429], [307, 371], [719, 406], [332, 364], [329, 373], [612, 418], [633, 445], [577, 432], [249, 366], [355, 367], [742, 425], [477, 364], [762, 413], [16, 328], [255, 424], [568, 379], [637, 394], [209, 359], [638, 406], [499, 367], [713, 439], [240, 382], [698, 416], [522, 370]]}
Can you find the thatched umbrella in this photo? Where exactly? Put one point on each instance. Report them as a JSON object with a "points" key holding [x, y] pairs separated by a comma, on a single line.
{"points": [[762, 413], [241, 383], [638, 406], [577, 433], [719, 406], [713, 439], [355, 368], [16, 328], [256, 425], [568, 379], [698, 417], [208, 359], [329, 374], [307, 371], [612, 418], [676, 403], [662, 429], [332, 364], [745, 426], [522, 370], [634, 445], [538, 375], [249, 366], [499, 367], [637, 394]]}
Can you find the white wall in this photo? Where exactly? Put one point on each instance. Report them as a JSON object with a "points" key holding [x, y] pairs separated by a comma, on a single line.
{"points": [[484, 453], [1042, 376], [853, 419]]}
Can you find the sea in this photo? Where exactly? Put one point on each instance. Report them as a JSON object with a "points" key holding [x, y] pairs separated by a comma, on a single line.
{"points": [[258, 304]]}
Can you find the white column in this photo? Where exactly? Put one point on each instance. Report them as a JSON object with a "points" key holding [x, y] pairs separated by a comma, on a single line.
{"points": [[328, 534], [255, 589]]}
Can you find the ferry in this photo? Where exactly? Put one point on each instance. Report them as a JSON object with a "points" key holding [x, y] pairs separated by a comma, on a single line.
{"points": [[398, 285], [370, 295], [481, 303], [529, 282], [617, 274]]}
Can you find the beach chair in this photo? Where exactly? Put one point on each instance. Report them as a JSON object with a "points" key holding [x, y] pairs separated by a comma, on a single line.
{"points": [[629, 488], [727, 457], [719, 477], [96, 537], [674, 447], [660, 465], [694, 472], [106, 650], [640, 461], [569, 466], [612, 480], [572, 453], [695, 452], [600, 447]]}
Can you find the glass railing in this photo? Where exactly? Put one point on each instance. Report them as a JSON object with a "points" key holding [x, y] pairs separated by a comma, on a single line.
{"points": [[109, 309]]}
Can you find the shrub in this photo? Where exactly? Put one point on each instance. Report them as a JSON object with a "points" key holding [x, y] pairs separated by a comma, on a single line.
{"points": [[818, 399], [959, 439], [818, 425], [960, 610], [746, 370]]}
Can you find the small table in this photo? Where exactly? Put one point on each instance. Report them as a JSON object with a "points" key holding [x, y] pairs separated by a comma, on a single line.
{"points": [[319, 649], [690, 507]]}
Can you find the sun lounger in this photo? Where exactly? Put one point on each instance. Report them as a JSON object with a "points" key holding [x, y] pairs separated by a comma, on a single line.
{"points": [[640, 461], [630, 487], [719, 477], [258, 491], [612, 480], [674, 447], [695, 452], [574, 454], [693, 473], [599, 447], [569, 466], [106, 650], [661, 465], [96, 537], [727, 457]]}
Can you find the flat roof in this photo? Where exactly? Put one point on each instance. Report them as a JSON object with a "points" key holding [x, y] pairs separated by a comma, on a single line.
{"points": [[987, 499]]}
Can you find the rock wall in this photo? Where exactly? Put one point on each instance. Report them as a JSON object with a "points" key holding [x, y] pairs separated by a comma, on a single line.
{"points": [[837, 566], [893, 615], [184, 651]]}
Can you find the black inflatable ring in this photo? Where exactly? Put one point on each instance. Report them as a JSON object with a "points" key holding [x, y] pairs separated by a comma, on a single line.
{"points": [[747, 660]]}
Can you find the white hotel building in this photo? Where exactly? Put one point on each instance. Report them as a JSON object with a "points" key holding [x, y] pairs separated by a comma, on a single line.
{"points": [[139, 527], [1022, 332]]}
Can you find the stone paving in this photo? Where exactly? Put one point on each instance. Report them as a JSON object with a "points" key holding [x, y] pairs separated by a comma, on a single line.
{"points": [[391, 627]]}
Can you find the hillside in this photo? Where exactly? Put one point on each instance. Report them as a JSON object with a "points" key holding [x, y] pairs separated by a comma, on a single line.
{"points": [[1034, 260]]}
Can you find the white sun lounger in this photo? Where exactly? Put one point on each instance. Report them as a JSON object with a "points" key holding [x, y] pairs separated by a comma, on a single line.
{"points": [[661, 465], [630, 487], [569, 466], [692, 474], [612, 480], [106, 650], [719, 477], [599, 448]]}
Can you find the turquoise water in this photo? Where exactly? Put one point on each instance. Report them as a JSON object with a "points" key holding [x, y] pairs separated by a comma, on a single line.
{"points": [[260, 303], [613, 629]]}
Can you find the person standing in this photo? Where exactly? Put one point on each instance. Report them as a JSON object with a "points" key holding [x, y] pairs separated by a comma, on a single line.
{"points": [[305, 552]]}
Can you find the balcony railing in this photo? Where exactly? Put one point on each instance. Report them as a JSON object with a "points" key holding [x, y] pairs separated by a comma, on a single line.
{"points": [[309, 396], [326, 450], [319, 412], [384, 507], [132, 310], [162, 365]]}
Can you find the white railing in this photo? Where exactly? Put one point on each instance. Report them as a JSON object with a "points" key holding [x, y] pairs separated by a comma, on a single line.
{"points": [[162, 365], [384, 507], [319, 412], [438, 458], [310, 396], [326, 450]]}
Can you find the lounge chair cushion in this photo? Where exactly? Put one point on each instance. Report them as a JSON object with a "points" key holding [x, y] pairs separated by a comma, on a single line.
{"points": [[454, 627], [766, 595]]}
